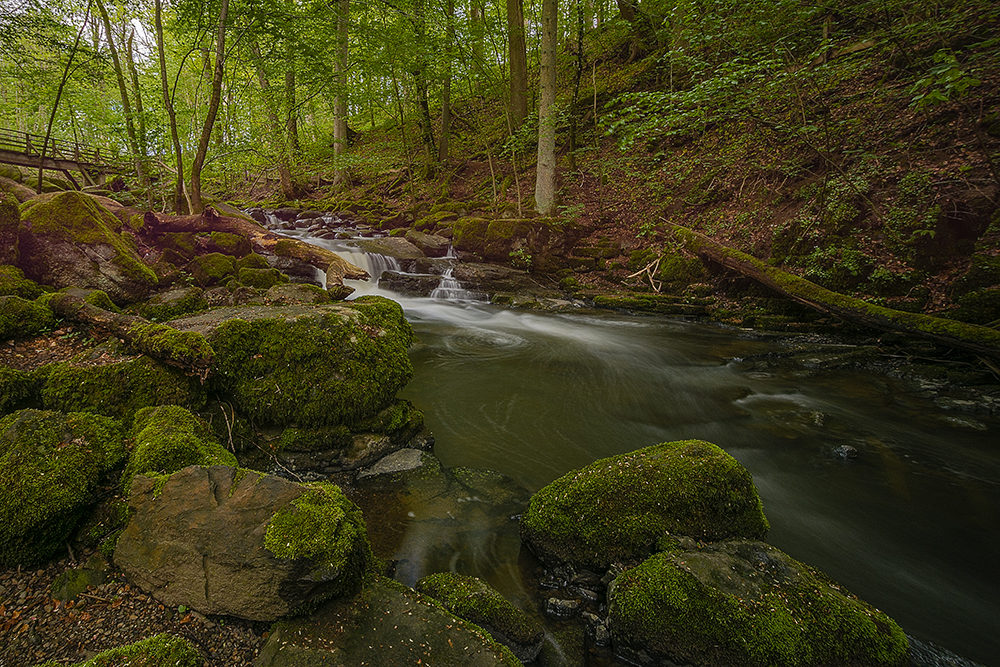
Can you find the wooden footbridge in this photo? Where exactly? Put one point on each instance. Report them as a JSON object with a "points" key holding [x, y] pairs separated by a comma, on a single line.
{"points": [[25, 150]]}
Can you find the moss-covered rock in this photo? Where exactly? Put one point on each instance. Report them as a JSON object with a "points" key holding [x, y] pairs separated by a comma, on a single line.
{"points": [[69, 240], [20, 318], [980, 306], [173, 303], [298, 293], [118, 389], [251, 261], [13, 283], [168, 438], [476, 601], [15, 386], [50, 466], [10, 226], [261, 278], [212, 268], [616, 509], [745, 604], [163, 650], [229, 244], [309, 365]]}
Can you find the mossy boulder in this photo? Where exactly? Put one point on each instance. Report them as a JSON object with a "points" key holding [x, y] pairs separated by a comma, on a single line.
{"points": [[261, 278], [173, 303], [13, 283], [386, 623], [118, 389], [20, 318], [298, 293], [212, 268], [15, 386], [744, 603], [223, 540], [476, 601], [69, 240], [10, 226], [168, 438], [50, 467], [229, 244], [252, 261], [308, 365], [163, 650], [618, 508]]}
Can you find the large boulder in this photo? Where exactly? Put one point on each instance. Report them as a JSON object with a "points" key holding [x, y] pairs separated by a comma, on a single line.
{"points": [[50, 467], [10, 224], [222, 540], [744, 603], [20, 318], [618, 508], [308, 366], [168, 438], [69, 240], [476, 601], [431, 245], [386, 624]]}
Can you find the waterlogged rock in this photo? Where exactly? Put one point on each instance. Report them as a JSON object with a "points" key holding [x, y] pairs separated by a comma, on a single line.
{"points": [[744, 603], [305, 365], [69, 240], [50, 467], [227, 541], [474, 600], [386, 624], [618, 508]]}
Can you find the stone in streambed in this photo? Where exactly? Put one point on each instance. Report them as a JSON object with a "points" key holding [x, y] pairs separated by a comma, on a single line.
{"points": [[227, 541]]}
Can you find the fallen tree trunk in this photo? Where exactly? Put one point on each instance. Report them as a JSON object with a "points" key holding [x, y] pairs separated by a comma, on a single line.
{"points": [[186, 350], [336, 267], [970, 337]]}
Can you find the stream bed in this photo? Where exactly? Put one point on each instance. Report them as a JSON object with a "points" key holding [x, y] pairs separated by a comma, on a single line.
{"points": [[861, 475]]}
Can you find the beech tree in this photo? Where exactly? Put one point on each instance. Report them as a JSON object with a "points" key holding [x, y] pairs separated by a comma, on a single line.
{"points": [[545, 175]]}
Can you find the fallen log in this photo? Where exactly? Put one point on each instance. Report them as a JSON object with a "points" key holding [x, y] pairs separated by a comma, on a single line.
{"points": [[336, 267], [970, 337], [186, 350]]}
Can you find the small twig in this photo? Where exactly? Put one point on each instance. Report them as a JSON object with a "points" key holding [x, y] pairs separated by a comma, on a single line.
{"points": [[72, 556], [94, 597]]}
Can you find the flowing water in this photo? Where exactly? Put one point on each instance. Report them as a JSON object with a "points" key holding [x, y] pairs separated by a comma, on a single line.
{"points": [[912, 525]]}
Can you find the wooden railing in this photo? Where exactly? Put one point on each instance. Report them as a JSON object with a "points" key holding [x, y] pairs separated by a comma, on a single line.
{"points": [[56, 149]]}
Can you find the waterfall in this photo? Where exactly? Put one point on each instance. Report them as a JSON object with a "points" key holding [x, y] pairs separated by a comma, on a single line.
{"points": [[452, 290]]}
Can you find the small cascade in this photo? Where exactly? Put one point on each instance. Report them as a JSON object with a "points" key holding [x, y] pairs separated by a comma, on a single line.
{"points": [[452, 290]]}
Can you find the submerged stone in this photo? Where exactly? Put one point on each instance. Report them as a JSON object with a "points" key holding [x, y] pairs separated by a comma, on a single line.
{"points": [[743, 603], [50, 467], [616, 509], [386, 624]]}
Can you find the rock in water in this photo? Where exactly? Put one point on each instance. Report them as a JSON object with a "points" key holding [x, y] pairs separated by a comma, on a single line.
{"points": [[744, 603], [69, 240], [386, 624], [616, 509], [226, 541], [50, 466]]}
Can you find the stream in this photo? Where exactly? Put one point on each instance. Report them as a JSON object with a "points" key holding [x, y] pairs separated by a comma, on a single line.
{"points": [[911, 525]]}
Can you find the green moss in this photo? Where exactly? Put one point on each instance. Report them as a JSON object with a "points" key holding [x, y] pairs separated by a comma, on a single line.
{"points": [[476, 601], [979, 307], [286, 248], [173, 304], [746, 603], [252, 261], [183, 244], [617, 508], [262, 278], [315, 439], [229, 244], [15, 387], [212, 268], [50, 467], [101, 300], [400, 417], [119, 389], [163, 650], [470, 234], [20, 318], [13, 283], [325, 526], [187, 348], [344, 367], [168, 438]]}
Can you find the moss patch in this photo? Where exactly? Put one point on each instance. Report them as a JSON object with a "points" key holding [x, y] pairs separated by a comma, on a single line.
{"points": [[168, 438], [617, 508], [163, 650], [252, 261], [13, 283], [174, 303], [20, 318], [119, 389], [324, 525], [50, 466], [262, 278], [212, 269], [746, 603]]}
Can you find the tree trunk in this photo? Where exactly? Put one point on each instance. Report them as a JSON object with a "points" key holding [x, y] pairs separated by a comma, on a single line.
{"points": [[278, 139], [545, 181], [340, 66], [213, 110], [133, 143], [143, 156], [443, 145], [179, 202], [970, 337], [517, 52]]}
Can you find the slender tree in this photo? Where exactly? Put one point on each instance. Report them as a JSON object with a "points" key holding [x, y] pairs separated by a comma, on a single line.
{"points": [[340, 67], [180, 204], [198, 163], [518, 58], [545, 181]]}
